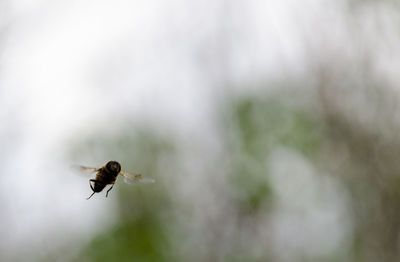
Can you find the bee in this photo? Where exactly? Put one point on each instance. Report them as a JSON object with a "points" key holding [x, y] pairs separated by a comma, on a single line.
{"points": [[107, 175]]}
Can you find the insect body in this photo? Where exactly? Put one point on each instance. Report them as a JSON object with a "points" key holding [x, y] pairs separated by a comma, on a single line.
{"points": [[107, 175]]}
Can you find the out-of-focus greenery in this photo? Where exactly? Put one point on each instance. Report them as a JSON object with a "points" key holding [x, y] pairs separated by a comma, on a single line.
{"points": [[259, 125], [254, 127], [147, 231]]}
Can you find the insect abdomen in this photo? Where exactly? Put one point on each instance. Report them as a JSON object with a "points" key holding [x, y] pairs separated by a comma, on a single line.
{"points": [[98, 186]]}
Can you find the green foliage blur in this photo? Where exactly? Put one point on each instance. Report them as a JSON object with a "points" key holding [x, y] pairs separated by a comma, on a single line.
{"points": [[147, 229], [259, 125], [155, 224]]}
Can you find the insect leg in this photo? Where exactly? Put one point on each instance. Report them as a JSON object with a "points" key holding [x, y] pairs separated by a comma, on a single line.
{"points": [[91, 186], [109, 189], [91, 180], [90, 195]]}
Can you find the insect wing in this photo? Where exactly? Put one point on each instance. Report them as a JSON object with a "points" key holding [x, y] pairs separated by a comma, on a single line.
{"points": [[84, 170], [130, 178]]}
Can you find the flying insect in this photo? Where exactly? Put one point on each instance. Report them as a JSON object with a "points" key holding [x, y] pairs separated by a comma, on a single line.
{"points": [[107, 175]]}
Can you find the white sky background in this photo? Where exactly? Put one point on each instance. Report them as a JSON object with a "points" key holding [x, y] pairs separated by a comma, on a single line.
{"points": [[69, 66]]}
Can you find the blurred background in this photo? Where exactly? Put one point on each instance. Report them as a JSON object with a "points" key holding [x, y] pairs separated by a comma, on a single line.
{"points": [[271, 128]]}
